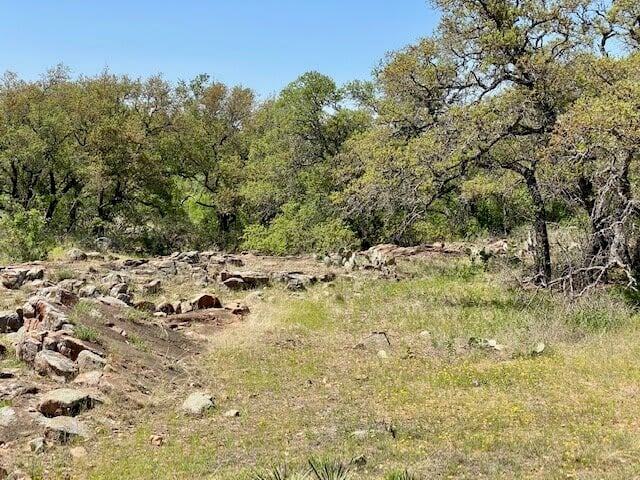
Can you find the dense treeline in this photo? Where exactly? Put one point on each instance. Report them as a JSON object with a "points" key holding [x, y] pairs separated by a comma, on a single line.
{"points": [[514, 113]]}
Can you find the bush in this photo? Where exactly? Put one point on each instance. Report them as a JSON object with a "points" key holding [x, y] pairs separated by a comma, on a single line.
{"points": [[24, 236], [299, 229]]}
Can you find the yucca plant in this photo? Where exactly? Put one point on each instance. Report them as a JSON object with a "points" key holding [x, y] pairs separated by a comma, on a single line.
{"points": [[329, 470], [282, 472]]}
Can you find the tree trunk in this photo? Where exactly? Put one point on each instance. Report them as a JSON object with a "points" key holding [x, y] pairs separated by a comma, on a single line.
{"points": [[542, 251]]}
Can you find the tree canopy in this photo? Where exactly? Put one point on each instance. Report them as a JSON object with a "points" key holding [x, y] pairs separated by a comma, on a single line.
{"points": [[514, 115]]}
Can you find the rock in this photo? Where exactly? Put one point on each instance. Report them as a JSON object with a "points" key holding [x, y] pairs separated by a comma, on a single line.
{"points": [[237, 308], [232, 413], [88, 291], [36, 273], [16, 389], [153, 287], [88, 361], [127, 298], [28, 310], [202, 302], [197, 403], [112, 302], [67, 345], [8, 417], [113, 279], [189, 257], [65, 401], [67, 298], [377, 341], [303, 278], [49, 316], [76, 255], [11, 321], [55, 365], [89, 379], [78, 453], [166, 307], [235, 261], [250, 279], [71, 284], [65, 429], [183, 307], [167, 267], [37, 445], [296, 285], [145, 306], [28, 347], [13, 279], [119, 288], [156, 440], [103, 243], [235, 283]]}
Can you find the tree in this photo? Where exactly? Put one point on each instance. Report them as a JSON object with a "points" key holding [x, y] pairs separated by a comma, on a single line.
{"points": [[209, 149], [595, 150]]}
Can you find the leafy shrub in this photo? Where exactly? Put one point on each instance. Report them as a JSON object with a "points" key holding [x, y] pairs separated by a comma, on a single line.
{"points": [[24, 236], [299, 229]]}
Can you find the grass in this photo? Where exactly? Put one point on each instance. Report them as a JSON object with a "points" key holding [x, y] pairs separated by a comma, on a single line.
{"points": [[309, 385], [138, 342], [86, 333]]}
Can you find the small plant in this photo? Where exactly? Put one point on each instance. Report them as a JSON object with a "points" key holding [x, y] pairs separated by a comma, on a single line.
{"points": [[62, 274], [84, 309], [329, 470], [5, 403], [138, 342], [86, 333], [282, 473], [403, 475], [136, 316]]}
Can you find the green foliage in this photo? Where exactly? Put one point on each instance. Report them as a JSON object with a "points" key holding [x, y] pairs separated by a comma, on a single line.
{"points": [[24, 235], [86, 333], [512, 114], [299, 228]]}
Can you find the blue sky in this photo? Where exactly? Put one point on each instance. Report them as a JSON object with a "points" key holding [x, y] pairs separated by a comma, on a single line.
{"points": [[259, 44]]}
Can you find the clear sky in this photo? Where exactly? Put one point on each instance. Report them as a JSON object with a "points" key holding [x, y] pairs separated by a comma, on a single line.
{"points": [[259, 44]]}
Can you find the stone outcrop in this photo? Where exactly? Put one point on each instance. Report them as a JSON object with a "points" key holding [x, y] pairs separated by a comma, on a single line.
{"points": [[55, 365], [65, 401], [197, 403]]}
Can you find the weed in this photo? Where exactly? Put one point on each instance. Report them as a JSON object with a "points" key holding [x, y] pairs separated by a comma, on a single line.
{"points": [[86, 333], [138, 342], [61, 274], [282, 473], [400, 475]]}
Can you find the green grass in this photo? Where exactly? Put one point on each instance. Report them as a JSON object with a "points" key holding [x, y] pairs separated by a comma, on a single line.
{"points": [[310, 386], [138, 342], [86, 333]]}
